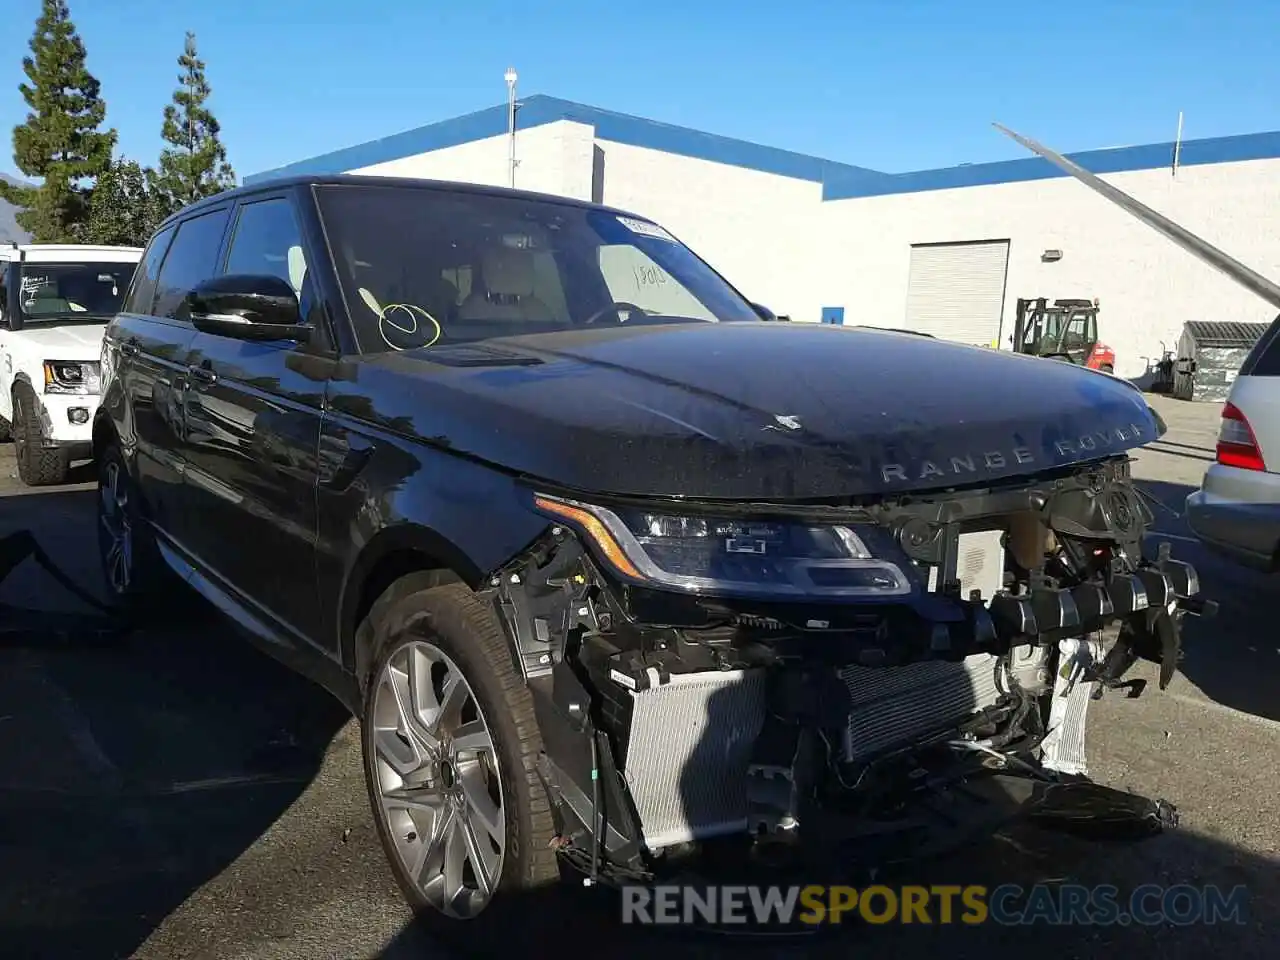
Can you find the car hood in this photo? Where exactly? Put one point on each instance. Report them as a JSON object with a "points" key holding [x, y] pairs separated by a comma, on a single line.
{"points": [[71, 341], [750, 411]]}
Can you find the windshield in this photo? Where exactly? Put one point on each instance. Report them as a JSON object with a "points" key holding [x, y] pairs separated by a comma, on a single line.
{"points": [[72, 291], [421, 267]]}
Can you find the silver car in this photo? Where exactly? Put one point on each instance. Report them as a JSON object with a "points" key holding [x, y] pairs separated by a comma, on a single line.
{"points": [[1236, 512]]}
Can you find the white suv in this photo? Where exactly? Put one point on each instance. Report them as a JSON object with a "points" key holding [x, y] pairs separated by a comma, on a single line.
{"points": [[1236, 511], [55, 302]]}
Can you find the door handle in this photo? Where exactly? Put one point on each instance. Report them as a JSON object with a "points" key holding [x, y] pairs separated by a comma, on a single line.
{"points": [[202, 374], [129, 348]]}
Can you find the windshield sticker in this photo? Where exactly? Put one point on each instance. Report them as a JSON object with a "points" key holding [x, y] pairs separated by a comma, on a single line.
{"points": [[31, 283], [646, 229]]}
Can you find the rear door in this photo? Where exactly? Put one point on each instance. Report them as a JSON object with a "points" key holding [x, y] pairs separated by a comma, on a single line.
{"points": [[151, 338], [253, 429]]}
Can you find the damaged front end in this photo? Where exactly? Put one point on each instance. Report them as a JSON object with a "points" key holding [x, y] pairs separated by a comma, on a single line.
{"points": [[856, 685]]}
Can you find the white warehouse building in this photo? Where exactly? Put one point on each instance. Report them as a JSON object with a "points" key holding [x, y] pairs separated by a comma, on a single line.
{"points": [[946, 251]]}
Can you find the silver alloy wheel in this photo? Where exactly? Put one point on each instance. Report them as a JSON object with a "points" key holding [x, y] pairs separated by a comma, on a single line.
{"points": [[436, 776], [114, 517]]}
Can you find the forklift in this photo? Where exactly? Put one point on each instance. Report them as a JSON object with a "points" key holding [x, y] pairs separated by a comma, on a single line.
{"points": [[1066, 330]]}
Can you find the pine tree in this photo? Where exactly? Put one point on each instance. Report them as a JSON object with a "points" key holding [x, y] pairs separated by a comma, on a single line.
{"points": [[62, 141], [122, 210], [195, 166]]}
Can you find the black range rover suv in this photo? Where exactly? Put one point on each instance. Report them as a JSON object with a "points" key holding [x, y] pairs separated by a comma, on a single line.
{"points": [[616, 570]]}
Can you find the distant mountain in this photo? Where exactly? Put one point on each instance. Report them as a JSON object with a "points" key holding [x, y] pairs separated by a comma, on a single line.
{"points": [[9, 229]]}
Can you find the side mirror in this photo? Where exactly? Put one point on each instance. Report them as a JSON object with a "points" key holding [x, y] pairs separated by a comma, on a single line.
{"points": [[764, 312], [247, 307]]}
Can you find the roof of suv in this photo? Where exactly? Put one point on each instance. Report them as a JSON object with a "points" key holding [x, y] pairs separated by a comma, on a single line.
{"points": [[56, 252], [407, 183]]}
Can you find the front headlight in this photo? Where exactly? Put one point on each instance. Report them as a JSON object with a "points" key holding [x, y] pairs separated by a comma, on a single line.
{"points": [[72, 376], [784, 559]]}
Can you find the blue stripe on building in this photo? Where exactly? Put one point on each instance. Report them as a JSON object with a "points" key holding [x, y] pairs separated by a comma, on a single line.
{"points": [[840, 181]]}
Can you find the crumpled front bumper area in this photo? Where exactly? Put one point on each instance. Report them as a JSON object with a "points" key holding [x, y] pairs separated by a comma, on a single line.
{"points": [[934, 755], [685, 731]]}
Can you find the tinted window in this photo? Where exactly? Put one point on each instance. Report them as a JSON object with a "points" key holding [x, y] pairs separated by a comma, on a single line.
{"points": [[192, 257], [1264, 358], [421, 267], [267, 241], [143, 291]]}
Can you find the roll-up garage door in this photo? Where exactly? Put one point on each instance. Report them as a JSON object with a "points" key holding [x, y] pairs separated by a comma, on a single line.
{"points": [[956, 290]]}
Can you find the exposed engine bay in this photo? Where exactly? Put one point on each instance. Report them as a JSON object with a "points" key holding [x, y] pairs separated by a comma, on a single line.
{"points": [[861, 726]]}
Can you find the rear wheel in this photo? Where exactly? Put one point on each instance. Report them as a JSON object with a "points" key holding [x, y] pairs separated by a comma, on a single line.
{"points": [[38, 466], [1107, 368], [450, 745], [136, 577]]}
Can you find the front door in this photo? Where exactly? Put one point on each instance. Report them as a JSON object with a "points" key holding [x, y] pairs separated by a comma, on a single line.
{"points": [[252, 430]]}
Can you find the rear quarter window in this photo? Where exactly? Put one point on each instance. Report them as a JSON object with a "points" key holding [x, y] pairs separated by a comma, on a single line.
{"points": [[1264, 358], [142, 292]]}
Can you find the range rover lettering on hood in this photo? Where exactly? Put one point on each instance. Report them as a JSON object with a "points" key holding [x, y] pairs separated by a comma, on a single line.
{"points": [[990, 461], [1121, 438], [977, 464]]}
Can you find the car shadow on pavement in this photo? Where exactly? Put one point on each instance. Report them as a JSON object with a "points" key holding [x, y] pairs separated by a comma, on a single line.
{"points": [[1233, 658], [137, 774], [134, 771], [567, 917]]}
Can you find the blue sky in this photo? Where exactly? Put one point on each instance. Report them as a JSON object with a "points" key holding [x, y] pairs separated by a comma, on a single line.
{"points": [[894, 86]]}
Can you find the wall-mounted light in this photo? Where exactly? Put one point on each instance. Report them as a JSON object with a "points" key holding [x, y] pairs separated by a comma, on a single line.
{"points": [[1051, 256]]}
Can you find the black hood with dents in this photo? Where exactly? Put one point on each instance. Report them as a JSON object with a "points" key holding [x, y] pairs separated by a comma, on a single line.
{"points": [[754, 411]]}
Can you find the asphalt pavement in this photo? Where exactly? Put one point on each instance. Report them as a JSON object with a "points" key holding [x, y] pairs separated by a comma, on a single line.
{"points": [[179, 795]]}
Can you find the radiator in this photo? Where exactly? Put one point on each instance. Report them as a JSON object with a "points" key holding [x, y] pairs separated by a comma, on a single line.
{"points": [[688, 753], [891, 706]]}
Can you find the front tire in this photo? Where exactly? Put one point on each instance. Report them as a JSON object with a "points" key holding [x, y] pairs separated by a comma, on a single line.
{"points": [[38, 466], [450, 744]]}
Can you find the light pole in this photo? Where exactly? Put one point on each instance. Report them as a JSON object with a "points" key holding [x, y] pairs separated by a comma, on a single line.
{"points": [[510, 77]]}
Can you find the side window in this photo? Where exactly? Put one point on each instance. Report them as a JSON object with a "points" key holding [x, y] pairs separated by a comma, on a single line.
{"points": [[192, 257], [267, 240], [633, 277], [143, 291], [1267, 361]]}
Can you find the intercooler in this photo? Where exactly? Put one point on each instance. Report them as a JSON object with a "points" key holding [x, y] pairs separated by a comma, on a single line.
{"points": [[892, 706]]}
